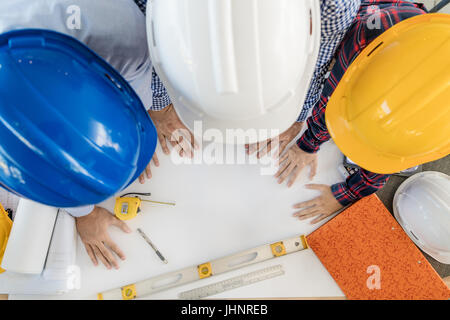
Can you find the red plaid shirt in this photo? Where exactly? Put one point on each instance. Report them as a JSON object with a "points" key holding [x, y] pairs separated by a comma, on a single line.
{"points": [[365, 28]]}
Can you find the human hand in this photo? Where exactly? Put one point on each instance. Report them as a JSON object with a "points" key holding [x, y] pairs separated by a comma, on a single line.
{"points": [[93, 230], [170, 127], [147, 172], [293, 162], [322, 206], [284, 139]]}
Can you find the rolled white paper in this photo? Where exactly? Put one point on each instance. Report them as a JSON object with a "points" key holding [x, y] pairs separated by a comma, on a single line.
{"points": [[30, 237], [63, 247]]}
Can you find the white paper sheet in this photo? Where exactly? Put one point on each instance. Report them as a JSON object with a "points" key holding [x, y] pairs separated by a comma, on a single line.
{"points": [[220, 209]]}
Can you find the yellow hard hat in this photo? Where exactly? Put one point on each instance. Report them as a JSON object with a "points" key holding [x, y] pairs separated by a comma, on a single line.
{"points": [[5, 229], [391, 110]]}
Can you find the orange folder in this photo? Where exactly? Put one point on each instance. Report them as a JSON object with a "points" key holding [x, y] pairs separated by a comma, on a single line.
{"points": [[370, 256]]}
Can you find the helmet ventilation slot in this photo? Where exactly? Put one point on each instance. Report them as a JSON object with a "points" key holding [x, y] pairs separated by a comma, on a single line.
{"points": [[375, 49], [114, 82]]}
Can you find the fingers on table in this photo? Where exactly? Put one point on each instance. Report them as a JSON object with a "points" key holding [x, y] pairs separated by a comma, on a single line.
{"points": [[99, 255], [183, 140], [310, 209], [194, 142], [120, 224], [189, 136], [148, 171], [252, 148], [307, 213], [115, 248], [319, 218], [295, 173], [286, 172], [281, 147], [163, 142], [155, 160], [265, 148], [288, 168], [283, 163], [106, 251], [91, 253], [320, 187], [283, 158], [187, 144], [262, 147]]}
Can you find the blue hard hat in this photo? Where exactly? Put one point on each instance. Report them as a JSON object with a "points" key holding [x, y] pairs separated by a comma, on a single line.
{"points": [[72, 131]]}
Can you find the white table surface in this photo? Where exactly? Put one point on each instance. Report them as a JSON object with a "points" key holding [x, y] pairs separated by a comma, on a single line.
{"points": [[220, 209]]}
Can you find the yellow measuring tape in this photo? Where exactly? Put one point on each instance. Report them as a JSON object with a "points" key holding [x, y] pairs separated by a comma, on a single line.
{"points": [[127, 208]]}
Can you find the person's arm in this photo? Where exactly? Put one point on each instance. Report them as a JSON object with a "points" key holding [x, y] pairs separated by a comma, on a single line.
{"points": [[360, 34], [338, 196], [160, 101], [305, 152], [334, 198], [363, 183], [359, 185], [336, 19], [317, 132], [168, 124]]}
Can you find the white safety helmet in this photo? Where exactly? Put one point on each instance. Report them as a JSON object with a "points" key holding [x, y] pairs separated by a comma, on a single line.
{"points": [[235, 64], [422, 207]]}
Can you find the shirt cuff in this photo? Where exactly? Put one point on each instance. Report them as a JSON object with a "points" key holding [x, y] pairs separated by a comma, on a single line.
{"points": [[303, 115], [307, 107], [306, 144], [161, 98], [161, 102], [78, 212], [343, 194]]}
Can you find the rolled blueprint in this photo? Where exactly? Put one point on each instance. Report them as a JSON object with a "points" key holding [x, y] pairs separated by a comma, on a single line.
{"points": [[60, 273], [63, 247], [29, 241]]}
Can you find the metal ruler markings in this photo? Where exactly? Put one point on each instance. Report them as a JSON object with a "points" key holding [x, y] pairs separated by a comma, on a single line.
{"points": [[233, 283]]}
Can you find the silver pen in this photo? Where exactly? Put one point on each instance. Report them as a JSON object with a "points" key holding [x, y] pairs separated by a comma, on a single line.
{"points": [[152, 245]]}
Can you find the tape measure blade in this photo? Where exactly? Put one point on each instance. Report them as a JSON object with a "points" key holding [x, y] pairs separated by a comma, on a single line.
{"points": [[233, 283]]}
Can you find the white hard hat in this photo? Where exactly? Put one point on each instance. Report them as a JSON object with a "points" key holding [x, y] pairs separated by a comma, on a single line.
{"points": [[235, 64], [422, 207]]}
